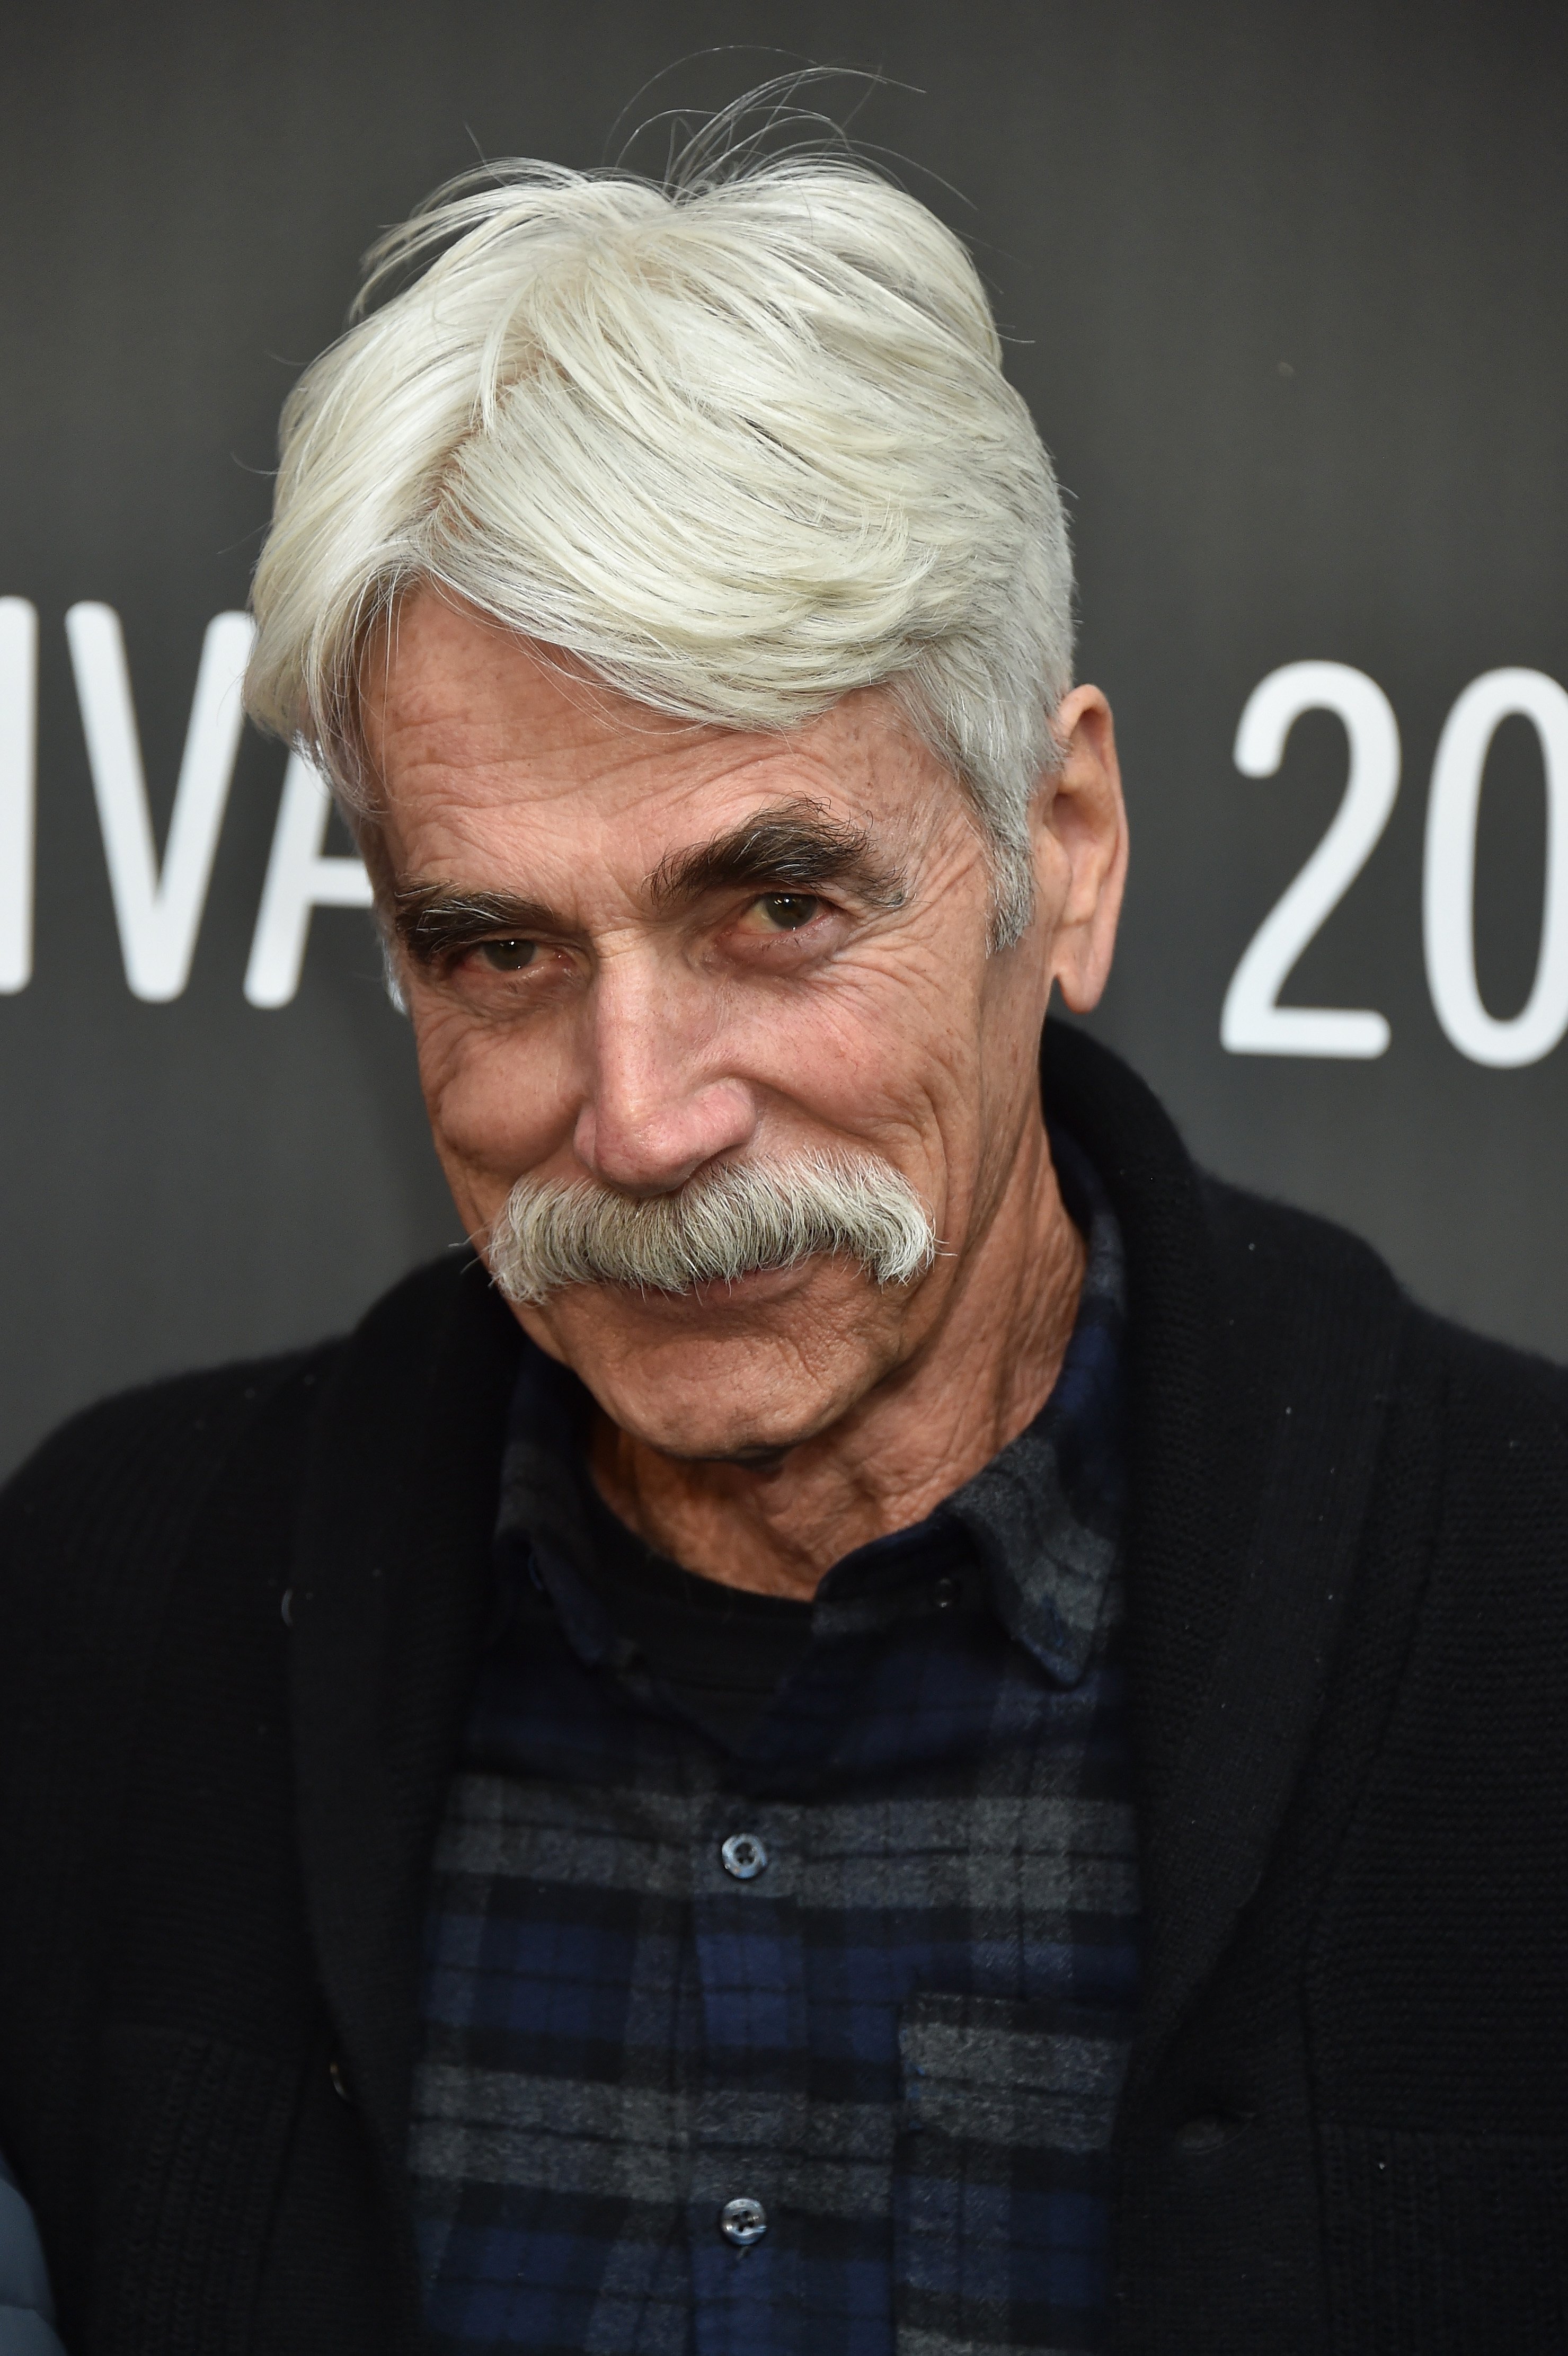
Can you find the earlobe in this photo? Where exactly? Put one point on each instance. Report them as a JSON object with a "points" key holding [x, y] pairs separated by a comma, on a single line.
{"points": [[1084, 844]]}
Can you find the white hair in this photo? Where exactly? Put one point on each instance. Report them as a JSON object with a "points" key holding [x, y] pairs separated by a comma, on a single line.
{"points": [[720, 1224], [739, 440]]}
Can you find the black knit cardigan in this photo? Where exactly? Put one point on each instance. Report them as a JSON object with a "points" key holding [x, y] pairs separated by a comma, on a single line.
{"points": [[239, 1620]]}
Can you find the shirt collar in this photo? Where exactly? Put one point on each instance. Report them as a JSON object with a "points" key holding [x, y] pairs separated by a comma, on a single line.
{"points": [[1041, 1522]]}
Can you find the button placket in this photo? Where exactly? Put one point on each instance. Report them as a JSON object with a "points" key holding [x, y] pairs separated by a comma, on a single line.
{"points": [[748, 2120]]}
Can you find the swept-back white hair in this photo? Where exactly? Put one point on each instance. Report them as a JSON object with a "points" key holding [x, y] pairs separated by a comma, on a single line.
{"points": [[739, 441]]}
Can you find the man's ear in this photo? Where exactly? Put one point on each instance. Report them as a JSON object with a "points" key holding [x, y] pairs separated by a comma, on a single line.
{"points": [[1080, 848]]}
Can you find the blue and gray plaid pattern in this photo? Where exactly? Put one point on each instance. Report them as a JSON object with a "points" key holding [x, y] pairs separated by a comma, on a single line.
{"points": [[903, 2037]]}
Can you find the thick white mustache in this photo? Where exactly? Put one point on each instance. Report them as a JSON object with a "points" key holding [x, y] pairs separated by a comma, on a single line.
{"points": [[738, 1218]]}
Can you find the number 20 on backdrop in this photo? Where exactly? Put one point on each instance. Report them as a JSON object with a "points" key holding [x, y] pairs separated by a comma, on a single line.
{"points": [[1252, 1022]]}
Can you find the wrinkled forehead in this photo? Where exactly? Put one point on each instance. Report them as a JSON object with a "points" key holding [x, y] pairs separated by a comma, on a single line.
{"points": [[484, 747]]}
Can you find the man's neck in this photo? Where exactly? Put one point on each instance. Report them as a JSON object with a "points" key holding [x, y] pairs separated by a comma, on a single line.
{"points": [[776, 1529]]}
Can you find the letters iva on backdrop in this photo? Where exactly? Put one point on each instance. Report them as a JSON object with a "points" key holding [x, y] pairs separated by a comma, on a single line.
{"points": [[158, 909]]}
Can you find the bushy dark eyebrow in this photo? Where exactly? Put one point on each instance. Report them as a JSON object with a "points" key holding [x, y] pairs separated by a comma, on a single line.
{"points": [[435, 923], [793, 847]]}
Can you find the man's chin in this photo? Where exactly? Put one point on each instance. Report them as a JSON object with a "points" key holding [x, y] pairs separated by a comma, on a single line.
{"points": [[717, 1417], [738, 1372]]}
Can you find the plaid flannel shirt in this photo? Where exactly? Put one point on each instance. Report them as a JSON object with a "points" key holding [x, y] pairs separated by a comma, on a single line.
{"points": [[809, 2045]]}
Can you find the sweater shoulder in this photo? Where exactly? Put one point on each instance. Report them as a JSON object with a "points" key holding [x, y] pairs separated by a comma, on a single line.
{"points": [[142, 1452], [1294, 1289], [1276, 1261], [1505, 1448], [1274, 1243], [154, 1441], [1493, 1376], [95, 1526], [122, 1480]]}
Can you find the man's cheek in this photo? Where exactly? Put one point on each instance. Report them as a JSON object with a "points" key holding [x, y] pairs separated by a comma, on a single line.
{"points": [[444, 1048], [909, 995], [498, 1103], [884, 1056], [856, 1033]]}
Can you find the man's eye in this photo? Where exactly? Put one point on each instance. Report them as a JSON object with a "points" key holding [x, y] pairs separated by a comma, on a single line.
{"points": [[507, 957], [786, 912]]}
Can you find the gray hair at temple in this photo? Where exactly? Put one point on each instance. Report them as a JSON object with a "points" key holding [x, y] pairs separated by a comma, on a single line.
{"points": [[739, 440]]}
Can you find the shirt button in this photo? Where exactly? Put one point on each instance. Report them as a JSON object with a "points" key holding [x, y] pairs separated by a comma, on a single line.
{"points": [[744, 1856], [743, 2222]]}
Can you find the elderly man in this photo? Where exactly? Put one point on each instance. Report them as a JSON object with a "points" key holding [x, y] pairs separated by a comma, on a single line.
{"points": [[888, 1724]]}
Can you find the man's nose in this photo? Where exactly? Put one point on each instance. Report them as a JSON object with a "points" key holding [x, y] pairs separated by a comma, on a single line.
{"points": [[659, 1104]]}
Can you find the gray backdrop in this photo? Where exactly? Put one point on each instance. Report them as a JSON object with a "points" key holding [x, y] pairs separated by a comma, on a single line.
{"points": [[1284, 283]]}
